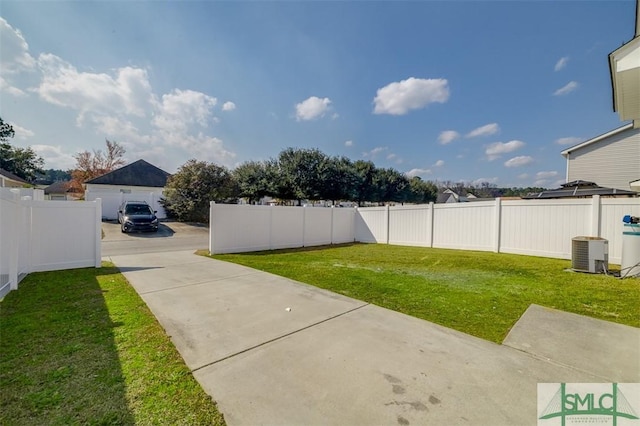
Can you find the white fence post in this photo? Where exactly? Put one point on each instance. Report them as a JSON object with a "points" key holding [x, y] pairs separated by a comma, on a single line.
{"points": [[497, 223], [333, 211], [211, 233], [432, 213], [271, 226], [304, 223], [14, 242], [387, 222], [595, 216], [98, 233]]}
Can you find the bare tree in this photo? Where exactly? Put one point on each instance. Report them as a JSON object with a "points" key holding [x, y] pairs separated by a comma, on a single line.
{"points": [[90, 165]]}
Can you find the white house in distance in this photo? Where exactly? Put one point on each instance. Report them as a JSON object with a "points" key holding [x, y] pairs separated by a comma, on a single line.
{"points": [[611, 160], [9, 180], [138, 181]]}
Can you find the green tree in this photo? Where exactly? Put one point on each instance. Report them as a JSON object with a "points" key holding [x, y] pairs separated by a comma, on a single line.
{"points": [[300, 174], [22, 162], [340, 180], [55, 175], [6, 131], [421, 192], [189, 191], [364, 186], [255, 180]]}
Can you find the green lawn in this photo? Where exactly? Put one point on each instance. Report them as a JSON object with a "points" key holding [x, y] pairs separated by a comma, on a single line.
{"points": [[81, 347], [479, 293]]}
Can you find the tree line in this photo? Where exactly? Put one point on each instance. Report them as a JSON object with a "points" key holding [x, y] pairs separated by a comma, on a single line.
{"points": [[294, 176]]}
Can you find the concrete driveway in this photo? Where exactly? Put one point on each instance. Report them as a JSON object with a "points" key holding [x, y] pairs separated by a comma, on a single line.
{"points": [[171, 236], [272, 351]]}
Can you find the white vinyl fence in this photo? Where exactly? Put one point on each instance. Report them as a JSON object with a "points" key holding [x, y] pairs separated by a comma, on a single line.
{"points": [[237, 228], [531, 227], [40, 235], [111, 201]]}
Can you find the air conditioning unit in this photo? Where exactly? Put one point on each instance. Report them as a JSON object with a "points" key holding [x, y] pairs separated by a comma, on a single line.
{"points": [[589, 254]]}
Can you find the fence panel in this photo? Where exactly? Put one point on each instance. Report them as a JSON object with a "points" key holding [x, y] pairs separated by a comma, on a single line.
{"points": [[237, 229], [64, 235], [410, 225], [612, 211], [9, 213], [372, 225], [317, 226], [45, 236], [467, 226], [544, 227], [343, 229], [287, 227]]}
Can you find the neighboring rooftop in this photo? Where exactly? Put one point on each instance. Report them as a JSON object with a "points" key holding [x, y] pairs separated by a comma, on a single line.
{"points": [[580, 189], [62, 187], [138, 173], [10, 176]]}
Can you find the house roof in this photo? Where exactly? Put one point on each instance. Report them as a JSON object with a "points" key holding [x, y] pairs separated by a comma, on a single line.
{"points": [[625, 75], [579, 189], [10, 176], [138, 173], [597, 139], [62, 187]]}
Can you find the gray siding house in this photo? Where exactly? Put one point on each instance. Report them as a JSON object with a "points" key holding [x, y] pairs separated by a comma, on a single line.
{"points": [[611, 160]]}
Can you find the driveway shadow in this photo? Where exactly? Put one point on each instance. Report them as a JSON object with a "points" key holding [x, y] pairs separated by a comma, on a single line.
{"points": [[164, 231], [137, 268]]}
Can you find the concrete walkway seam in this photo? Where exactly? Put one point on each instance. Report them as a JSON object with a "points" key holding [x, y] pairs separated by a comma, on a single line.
{"points": [[279, 337], [207, 281]]}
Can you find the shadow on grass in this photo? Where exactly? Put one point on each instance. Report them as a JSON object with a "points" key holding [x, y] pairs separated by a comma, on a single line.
{"points": [[297, 249], [59, 360]]}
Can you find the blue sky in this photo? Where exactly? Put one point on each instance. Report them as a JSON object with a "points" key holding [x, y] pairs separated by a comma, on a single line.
{"points": [[472, 91]]}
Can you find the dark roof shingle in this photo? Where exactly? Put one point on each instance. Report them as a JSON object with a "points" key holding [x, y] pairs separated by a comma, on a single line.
{"points": [[138, 173]]}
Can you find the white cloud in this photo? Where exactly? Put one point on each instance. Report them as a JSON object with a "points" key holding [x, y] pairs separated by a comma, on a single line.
{"points": [[126, 92], [418, 172], [398, 98], [312, 108], [519, 161], [566, 89], [448, 136], [480, 181], [439, 163], [571, 140], [180, 109], [54, 157], [6, 87], [15, 56], [486, 130], [228, 106], [562, 62], [546, 175], [21, 132], [496, 149], [375, 151], [348, 143], [523, 176]]}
